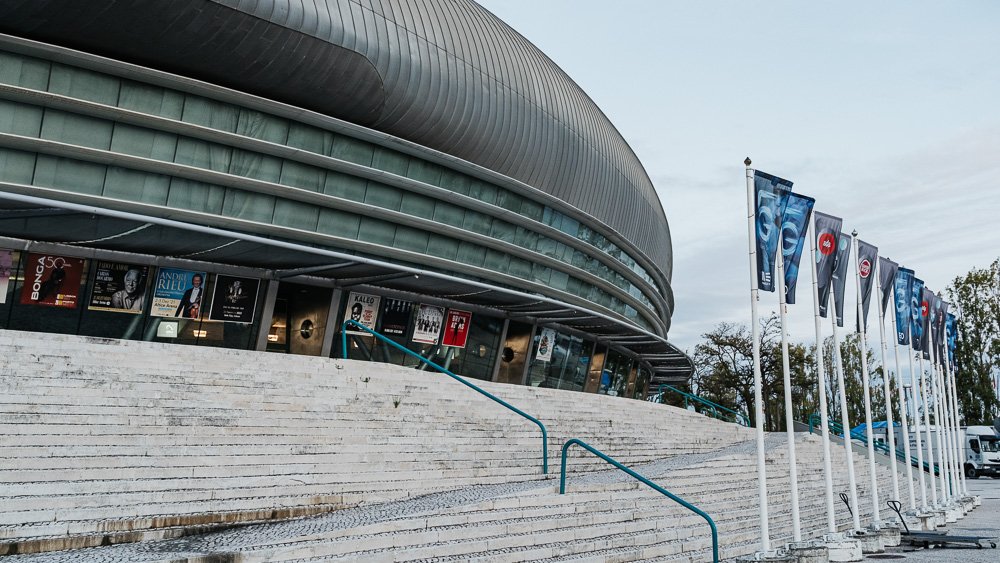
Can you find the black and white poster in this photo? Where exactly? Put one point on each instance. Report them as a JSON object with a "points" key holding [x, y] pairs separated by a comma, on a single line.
{"points": [[119, 287], [363, 309], [234, 299], [427, 327]]}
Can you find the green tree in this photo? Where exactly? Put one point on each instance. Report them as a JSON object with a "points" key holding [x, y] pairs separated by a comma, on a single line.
{"points": [[975, 298]]}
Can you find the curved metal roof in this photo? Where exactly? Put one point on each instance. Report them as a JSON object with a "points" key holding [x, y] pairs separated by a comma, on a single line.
{"points": [[445, 74]]}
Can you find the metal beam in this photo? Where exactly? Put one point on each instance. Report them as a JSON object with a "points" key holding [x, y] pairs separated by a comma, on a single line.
{"points": [[282, 274]]}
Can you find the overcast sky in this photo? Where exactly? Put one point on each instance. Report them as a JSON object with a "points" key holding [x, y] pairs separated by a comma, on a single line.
{"points": [[888, 113]]}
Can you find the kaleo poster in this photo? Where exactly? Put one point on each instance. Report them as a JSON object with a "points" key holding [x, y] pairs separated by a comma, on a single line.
{"points": [[6, 271], [456, 329], [234, 299], [50, 280], [119, 287], [428, 324], [178, 293], [362, 308], [546, 343]]}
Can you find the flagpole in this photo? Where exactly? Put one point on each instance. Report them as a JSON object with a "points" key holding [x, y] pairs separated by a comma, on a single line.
{"points": [[928, 443], [865, 383], [831, 521], [765, 541], [959, 439], [890, 427], [953, 425], [844, 419], [914, 389], [903, 409], [947, 437], [793, 475], [943, 466]]}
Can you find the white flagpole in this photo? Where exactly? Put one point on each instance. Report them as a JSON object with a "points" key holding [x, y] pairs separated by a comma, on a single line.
{"points": [[959, 438], [793, 474], [903, 410], [831, 521], [951, 479], [844, 419], [865, 382], [765, 540], [928, 443], [956, 459], [943, 466], [914, 389], [890, 428]]}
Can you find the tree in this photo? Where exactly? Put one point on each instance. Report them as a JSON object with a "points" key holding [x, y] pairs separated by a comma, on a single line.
{"points": [[976, 301]]}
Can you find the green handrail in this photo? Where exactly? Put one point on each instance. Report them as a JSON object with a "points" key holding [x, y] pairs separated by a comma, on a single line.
{"points": [[838, 430], [714, 407], [657, 488], [460, 379]]}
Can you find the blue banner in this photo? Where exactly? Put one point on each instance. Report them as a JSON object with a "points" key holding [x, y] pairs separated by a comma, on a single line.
{"points": [[771, 194], [917, 313], [840, 275], [886, 277], [794, 224], [902, 290], [951, 327]]}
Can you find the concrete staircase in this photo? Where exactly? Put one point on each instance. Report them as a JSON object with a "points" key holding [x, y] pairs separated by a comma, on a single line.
{"points": [[107, 442]]}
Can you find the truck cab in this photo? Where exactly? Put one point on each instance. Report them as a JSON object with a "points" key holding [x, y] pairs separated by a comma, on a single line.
{"points": [[982, 452]]}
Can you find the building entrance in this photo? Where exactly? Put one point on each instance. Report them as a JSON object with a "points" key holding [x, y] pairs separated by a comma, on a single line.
{"points": [[298, 324]]}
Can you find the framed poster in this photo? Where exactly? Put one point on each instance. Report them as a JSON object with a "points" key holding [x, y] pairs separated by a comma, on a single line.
{"points": [[119, 287], [428, 324], [362, 308], [6, 272], [178, 293], [53, 281], [456, 328], [396, 316], [234, 299]]}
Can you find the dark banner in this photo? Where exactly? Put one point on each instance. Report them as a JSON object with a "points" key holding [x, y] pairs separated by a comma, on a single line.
{"points": [[771, 193], [50, 280], [927, 304], [886, 277], [917, 314], [827, 229], [119, 287], [234, 299], [938, 316], [902, 290], [867, 256], [794, 226], [840, 275], [951, 326], [396, 316]]}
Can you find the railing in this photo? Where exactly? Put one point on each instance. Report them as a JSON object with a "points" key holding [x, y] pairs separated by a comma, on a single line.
{"points": [[838, 430], [712, 408], [462, 380], [654, 486]]}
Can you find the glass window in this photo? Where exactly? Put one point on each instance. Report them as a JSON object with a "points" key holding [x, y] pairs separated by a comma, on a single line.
{"points": [[509, 200], [248, 205], [83, 84], [351, 150], [339, 223], [567, 367], [408, 238], [376, 231], [442, 247], [309, 138], [302, 176], [200, 154], [424, 172], [383, 196], [519, 267], [496, 260], [16, 166], [526, 239], [477, 358], [260, 126], [485, 193], [297, 215], [255, 165], [417, 205], [72, 175], [390, 161], [472, 254], [146, 143], [456, 182], [448, 214], [477, 222], [198, 196], [76, 129], [502, 230], [24, 71], [210, 113], [532, 209], [20, 119], [122, 183], [347, 187], [152, 100]]}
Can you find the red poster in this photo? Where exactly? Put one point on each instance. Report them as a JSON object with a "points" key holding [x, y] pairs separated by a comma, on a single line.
{"points": [[51, 280], [456, 329]]}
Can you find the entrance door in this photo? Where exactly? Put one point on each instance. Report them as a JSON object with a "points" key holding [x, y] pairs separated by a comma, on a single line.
{"points": [[298, 324]]}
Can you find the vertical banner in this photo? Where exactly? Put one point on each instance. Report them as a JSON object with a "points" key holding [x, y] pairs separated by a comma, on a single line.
{"points": [[428, 324], [903, 287], [927, 305], [234, 299], [940, 316], [771, 195], [119, 287], [456, 328], [396, 317], [6, 272], [546, 343], [951, 326], [867, 255], [794, 224], [53, 281], [886, 278], [917, 314], [840, 274], [827, 229], [178, 293], [361, 308]]}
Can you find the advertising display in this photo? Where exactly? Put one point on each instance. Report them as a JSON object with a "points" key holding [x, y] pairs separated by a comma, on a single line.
{"points": [[867, 256], [902, 291], [396, 316], [6, 272], [53, 281], [886, 277], [362, 308], [456, 329], [827, 230], [178, 293], [234, 299], [794, 224], [428, 324], [546, 343], [840, 275], [917, 312], [771, 194], [119, 287]]}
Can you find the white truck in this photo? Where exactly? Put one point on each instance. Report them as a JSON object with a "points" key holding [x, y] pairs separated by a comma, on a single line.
{"points": [[982, 452]]}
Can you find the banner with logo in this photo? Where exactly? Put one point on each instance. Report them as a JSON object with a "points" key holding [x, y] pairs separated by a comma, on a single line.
{"points": [[902, 290], [886, 277], [396, 316], [771, 194], [119, 287], [840, 275], [6, 272], [938, 317], [917, 312], [456, 328], [427, 327], [951, 326], [546, 343], [927, 305], [178, 293], [361, 308], [794, 225], [827, 228], [234, 299], [867, 256], [53, 281]]}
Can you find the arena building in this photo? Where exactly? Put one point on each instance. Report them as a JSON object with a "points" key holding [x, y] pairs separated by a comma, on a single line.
{"points": [[250, 173]]}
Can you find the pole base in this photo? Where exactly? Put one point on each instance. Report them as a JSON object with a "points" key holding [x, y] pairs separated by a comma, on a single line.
{"points": [[775, 556], [871, 542], [809, 552], [842, 548], [889, 532]]}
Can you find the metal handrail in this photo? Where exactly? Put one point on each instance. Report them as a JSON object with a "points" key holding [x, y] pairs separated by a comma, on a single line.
{"points": [[460, 379], [715, 407], [838, 430], [654, 486]]}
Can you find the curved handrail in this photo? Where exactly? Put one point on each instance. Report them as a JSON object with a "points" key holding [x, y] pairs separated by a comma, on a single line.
{"points": [[715, 407], [458, 378], [654, 486], [838, 430]]}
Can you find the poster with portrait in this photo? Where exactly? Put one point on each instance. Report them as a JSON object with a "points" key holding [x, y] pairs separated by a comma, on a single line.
{"points": [[6, 272], [178, 293], [546, 343], [51, 280], [427, 326], [396, 316], [234, 299], [119, 287], [362, 308], [456, 328]]}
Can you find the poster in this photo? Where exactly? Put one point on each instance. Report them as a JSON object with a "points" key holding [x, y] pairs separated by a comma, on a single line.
{"points": [[546, 342], [456, 329], [234, 299], [51, 280], [396, 317], [362, 308], [119, 287], [178, 293], [6, 271], [428, 324]]}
